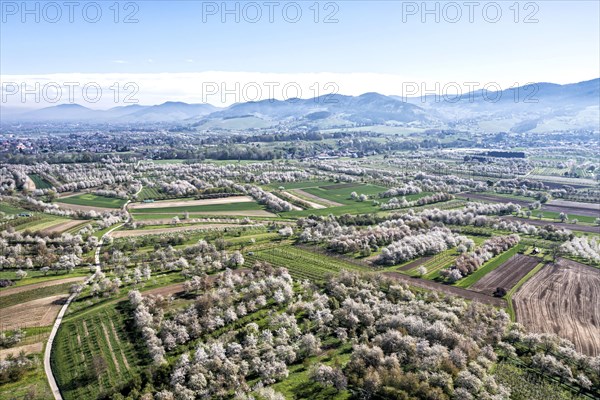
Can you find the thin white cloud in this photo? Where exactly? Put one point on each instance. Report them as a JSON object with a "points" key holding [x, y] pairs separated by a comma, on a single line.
{"points": [[119, 61], [224, 88]]}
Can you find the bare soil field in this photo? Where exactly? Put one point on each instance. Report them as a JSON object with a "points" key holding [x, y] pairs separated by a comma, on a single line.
{"points": [[563, 298], [33, 286], [77, 207], [574, 204], [507, 275], [165, 291], [40, 312], [321, 200], [29, 184], [573, 209], [554, 182], [496, 199], [143, 232], [311, 203], [414, 263], [62, 227], [185, 203], [572, 227], [27, 349], [240, 213], [338, 186], [64, 195], [449, 290]]}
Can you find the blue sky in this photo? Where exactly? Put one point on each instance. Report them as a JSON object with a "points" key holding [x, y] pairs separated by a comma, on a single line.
{"points": [[369, 37]]}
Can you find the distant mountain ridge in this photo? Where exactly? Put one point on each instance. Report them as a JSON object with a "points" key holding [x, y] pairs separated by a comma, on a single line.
{"points": [[167, 112], [539, 106], [366, 108]]}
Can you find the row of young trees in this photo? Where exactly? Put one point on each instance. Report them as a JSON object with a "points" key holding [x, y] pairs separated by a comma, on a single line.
{"points": [[409, 188], [269, 200], [585, 247], [396, 203], [467, 263], [432, 242]]}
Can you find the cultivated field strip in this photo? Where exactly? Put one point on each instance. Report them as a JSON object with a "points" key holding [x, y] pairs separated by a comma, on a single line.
{"points": [[82, 342], [434, 264], [189, 203], [563, 298], [574, 210], [160, 231], [39, 312], [507, 275], [34, 286], [302, 264], [314, 198]]}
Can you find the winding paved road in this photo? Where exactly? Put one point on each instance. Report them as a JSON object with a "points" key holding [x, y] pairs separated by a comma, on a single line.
{"points": [[48, 351]]}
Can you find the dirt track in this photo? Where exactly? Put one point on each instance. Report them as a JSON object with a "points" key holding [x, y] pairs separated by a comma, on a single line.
{"points": [[449, 290], [507, 275], [33, 286], [202, 202], [40, 312], [563, 298]]}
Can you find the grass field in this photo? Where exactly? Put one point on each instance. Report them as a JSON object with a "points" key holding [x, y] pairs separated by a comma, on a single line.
{"points": [[169, 161], [9, 209], [527, 385], [45, 221], [366, 207], [92, 200], [302, 264], [298, 185], [37, 276], [40, 183], [552, 215], [99, 335]]}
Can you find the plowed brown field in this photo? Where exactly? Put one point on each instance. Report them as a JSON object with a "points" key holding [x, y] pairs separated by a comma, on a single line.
{"points": [[507, 275], [563, 298]]}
